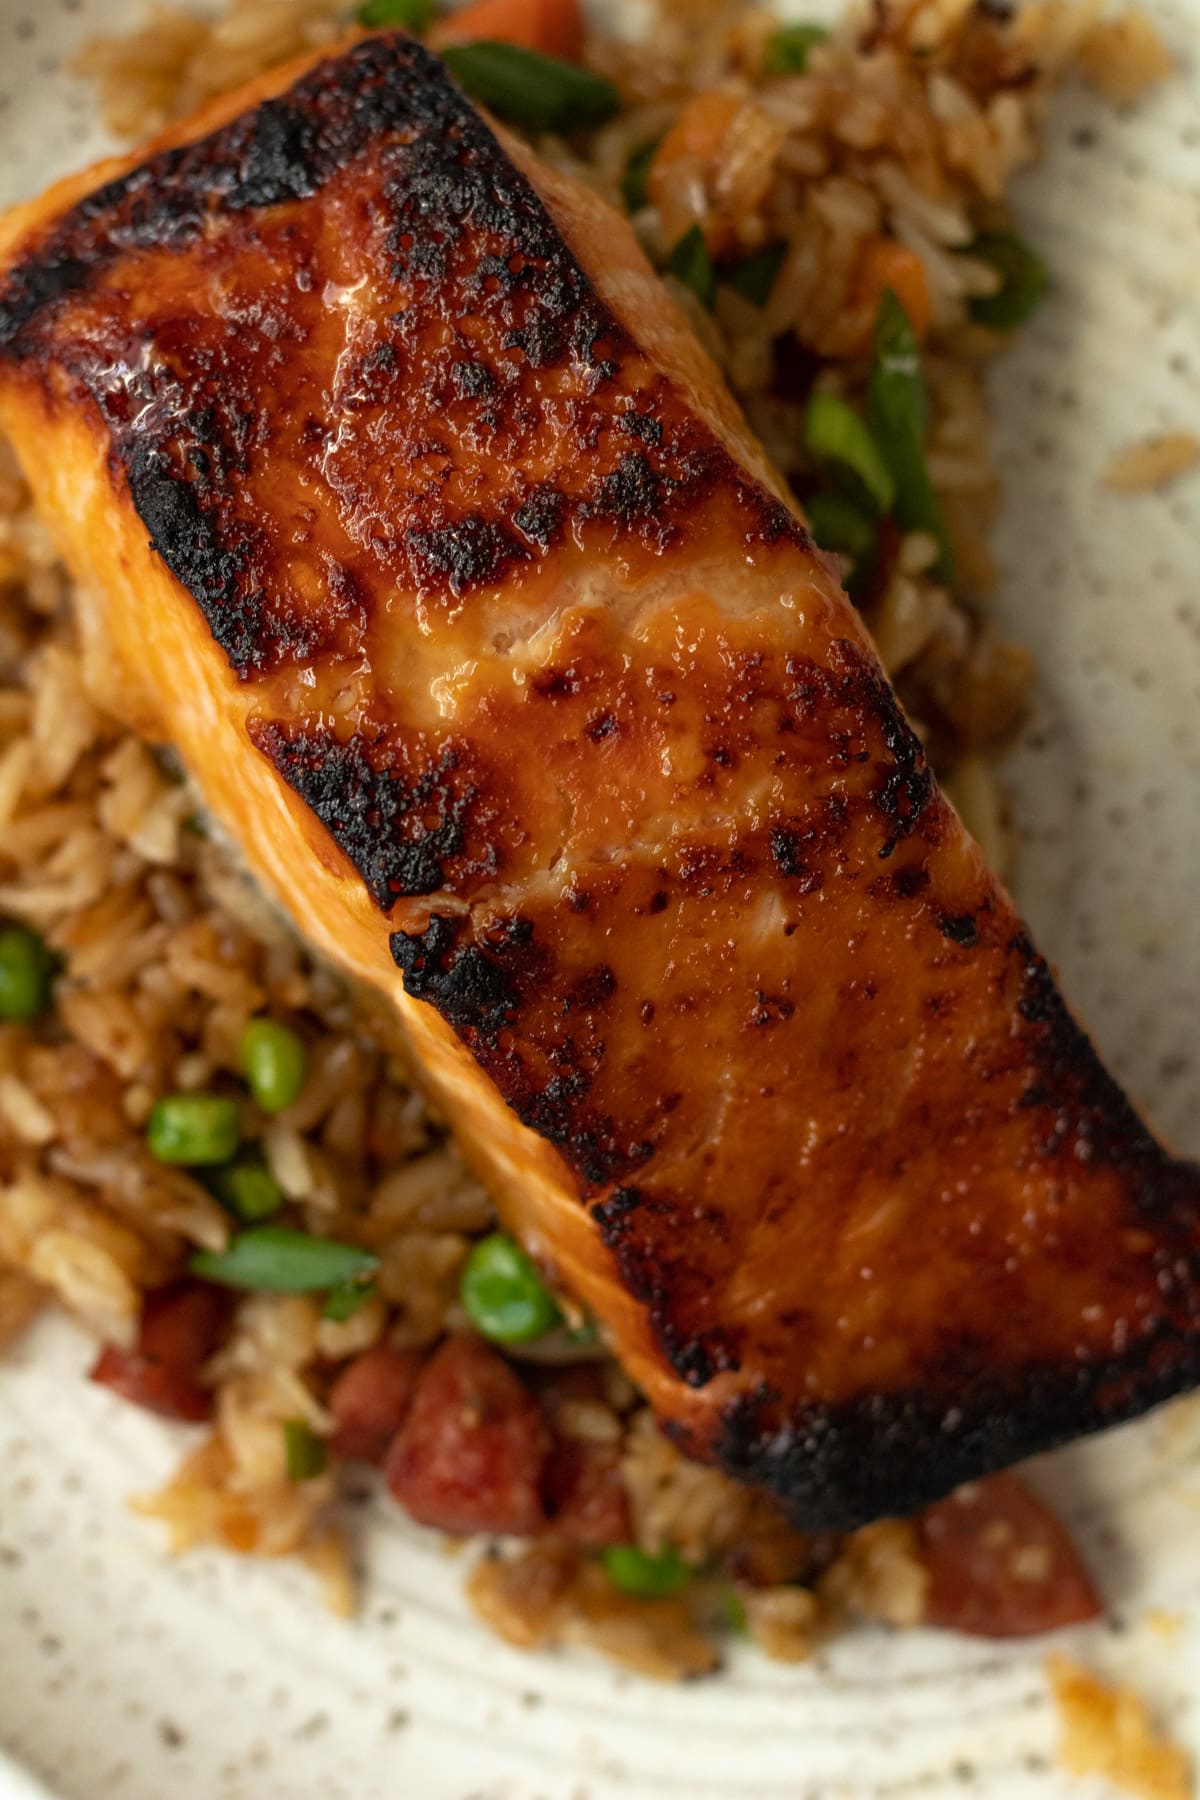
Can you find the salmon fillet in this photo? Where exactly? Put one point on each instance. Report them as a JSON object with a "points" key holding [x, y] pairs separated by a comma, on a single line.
{"points": [[404, 503]]}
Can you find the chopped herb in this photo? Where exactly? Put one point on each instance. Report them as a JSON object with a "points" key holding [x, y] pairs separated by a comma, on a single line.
{"points": [[411, 15], [194, 1130], [503, 1295], [735, 1613], [343, 1301], [1022, 281], [633, 1571], [839, 441], [637, 173], [26, 970], [840, 526], [277, 1260], [246, 1187], [897, 410], [305, 1451], [540, 92], [787, 49], [755, 277], [690, 263]]}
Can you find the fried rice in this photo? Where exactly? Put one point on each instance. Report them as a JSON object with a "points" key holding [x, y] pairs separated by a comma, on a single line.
{"points": [[904, 127]]}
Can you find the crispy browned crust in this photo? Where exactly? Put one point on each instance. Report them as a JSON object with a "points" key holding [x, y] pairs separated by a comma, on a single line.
{"points": [[671, 866]]}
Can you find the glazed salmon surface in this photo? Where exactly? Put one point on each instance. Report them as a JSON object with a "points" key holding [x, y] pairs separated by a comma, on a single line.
{"points": [[406, 506]]}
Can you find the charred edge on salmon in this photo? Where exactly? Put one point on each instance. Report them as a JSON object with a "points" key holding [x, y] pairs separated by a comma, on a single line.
{"points": [[1089, 1117], [840, 1466], [483, 990], [400, 810], [655, 1280], [463, 234]]}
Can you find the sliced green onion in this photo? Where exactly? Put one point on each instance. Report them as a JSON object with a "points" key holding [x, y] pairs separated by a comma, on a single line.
{"points": [[276, 1260], [246, 1187], [503, 1295], [633, 1571], [897, 411], [840, 526], [343, 1301], [690, 263], [26, 969], [540, 92], [637, 173], [787, 49], [274, 1062], [837, 438], [412, 15], [305, 1451], [755, 277], [1022, 280], [735, 1613], [196, 1130]]}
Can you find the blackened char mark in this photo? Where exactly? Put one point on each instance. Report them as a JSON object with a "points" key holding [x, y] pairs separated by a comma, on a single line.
{"points": [[865, 723], [656, 1280], [1088, 1117], [538, 1036], [960, 928], [471, 990], [210, 566], [283, 150], [888, 1454], [399, 811], [467, 553]]}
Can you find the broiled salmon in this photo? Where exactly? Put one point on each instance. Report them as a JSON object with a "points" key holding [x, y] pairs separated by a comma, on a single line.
{"points": [[407, 507]]}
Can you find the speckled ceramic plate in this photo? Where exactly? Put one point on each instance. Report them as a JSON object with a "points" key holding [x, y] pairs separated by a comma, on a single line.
{"points": [[125, 1674]]}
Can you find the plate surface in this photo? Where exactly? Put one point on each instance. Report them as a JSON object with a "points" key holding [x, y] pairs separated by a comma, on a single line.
{"points": [[124, 1673]]}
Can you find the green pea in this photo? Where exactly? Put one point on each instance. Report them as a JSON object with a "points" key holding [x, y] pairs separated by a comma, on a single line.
{"points": [[246, 1187], [26, 968], [305, 1451], [504, 1296], [197, 1130], [634, 1571], [274, 1062]]}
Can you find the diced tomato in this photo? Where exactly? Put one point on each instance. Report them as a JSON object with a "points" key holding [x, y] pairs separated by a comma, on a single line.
{"points": [[180, 1329], [555, 27], [469, 1456], [1001, 1565], [585, 1496], [370, 1400]]}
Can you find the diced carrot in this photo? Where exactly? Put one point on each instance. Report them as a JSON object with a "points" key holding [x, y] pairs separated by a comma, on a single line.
{"points": [[687, 163], [886, 264], [555, 27]]}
